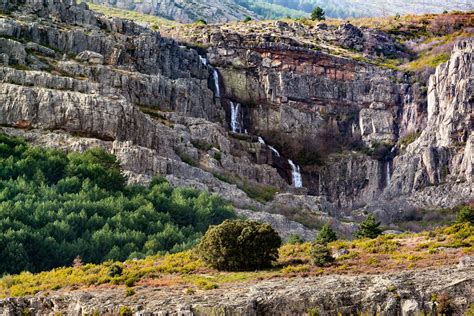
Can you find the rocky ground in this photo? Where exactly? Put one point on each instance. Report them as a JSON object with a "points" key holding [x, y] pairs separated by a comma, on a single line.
{"points": [[448, 289]]}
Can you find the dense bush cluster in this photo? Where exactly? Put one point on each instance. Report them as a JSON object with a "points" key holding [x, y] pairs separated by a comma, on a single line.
{"points": [[239, 245], [56, 206]]}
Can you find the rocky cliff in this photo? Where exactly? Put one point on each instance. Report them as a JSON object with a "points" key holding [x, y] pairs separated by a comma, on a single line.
{"points": [[186, 11], [290, 83], [259, 106]]}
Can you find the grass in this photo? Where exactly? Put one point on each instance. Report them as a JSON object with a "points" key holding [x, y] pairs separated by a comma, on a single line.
{"points": [[184, 269], [260, 192], [153, 21], [408, 139], [427, 60]]}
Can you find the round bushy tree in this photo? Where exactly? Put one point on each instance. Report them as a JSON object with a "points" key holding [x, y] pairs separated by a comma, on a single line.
{"points": [[369, 228], [326, 235], [321, 254], [239, 245]]}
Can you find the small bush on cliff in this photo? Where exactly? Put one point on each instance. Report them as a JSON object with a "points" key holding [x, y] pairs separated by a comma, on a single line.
{"points": [[369, 228], [326, 235], [239, 245], [321, 254]]}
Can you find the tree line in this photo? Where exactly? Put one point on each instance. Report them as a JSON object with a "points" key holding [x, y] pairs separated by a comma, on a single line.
{"points": [[56, 206]]}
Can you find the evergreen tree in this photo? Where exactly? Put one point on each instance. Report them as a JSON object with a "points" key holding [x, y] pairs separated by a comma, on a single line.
{"points": [[318, 14], [465, 215], [326, 235], [369, 228], [321, 254]]}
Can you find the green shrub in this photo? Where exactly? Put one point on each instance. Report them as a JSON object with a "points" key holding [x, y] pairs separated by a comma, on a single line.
{"points": [[294, 239], [321, 254], [129, 291], [130, 281], [125, 311], [326, 235], [369, 228], [465, 215], [239, 245], [115, 269]]}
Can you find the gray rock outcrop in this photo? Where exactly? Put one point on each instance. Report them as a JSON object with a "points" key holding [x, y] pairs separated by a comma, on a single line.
{"points": [[402, 293]]}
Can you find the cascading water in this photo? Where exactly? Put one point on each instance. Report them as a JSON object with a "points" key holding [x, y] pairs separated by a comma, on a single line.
{"points": [[295, 175], [203, 60], [274, 150], [234, 117], [215, 74], [262, 141], [387, 174]]}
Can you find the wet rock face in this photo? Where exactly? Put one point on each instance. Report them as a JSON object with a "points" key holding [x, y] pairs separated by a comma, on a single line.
{"points": [[404, 293]]}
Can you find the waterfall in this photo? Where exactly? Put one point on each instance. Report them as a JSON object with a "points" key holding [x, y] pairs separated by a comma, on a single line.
{"points": [[274, 150], [234, 117], [262, 141], [203, 60], [216, 82], [295, 175], [387, 174]]}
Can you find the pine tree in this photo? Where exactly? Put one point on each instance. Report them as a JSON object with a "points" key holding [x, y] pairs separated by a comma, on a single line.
{"points": [[465, 215], [369, 228], [318, 14], [326, 235], [321, 254]]}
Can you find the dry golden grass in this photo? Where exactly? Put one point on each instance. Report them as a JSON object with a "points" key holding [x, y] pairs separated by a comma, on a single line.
{"points": [[441, 247]]}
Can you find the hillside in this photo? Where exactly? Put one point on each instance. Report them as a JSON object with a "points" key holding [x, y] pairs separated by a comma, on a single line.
{"points": [[375, 265], [236, 10]]}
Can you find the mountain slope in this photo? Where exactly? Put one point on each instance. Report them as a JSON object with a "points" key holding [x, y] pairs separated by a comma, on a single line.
{"points": [[236, 10], [373, 8]]}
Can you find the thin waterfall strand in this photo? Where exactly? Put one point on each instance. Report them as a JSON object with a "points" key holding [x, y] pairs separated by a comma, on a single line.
{"points": [[295, 174], [387, 174], [234, 117], [274, 150], [216, 82]]}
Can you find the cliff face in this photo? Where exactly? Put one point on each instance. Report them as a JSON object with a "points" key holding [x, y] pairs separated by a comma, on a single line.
{"points": [[73, 79], [186, 11], [290, 83]]}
